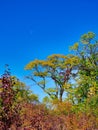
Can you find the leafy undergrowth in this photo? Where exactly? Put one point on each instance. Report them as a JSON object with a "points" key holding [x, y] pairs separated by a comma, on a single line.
{"points": [[19, 113], [38, 117]]}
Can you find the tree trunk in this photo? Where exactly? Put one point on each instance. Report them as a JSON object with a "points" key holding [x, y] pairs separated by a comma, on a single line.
{"points": [[61, 93]]}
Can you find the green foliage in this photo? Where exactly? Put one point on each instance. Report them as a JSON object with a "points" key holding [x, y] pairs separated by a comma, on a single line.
{"points": [[86, 38], [75, 46], [87, 81]]}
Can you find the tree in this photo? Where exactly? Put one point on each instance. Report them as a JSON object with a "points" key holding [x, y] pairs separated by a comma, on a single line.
{"points": [[9, 112], [13, 96], [87, 77], [23, 93], [56, 69]]}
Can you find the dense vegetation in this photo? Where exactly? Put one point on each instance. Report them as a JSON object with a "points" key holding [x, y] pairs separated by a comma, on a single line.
{"points": [[72, 99]]}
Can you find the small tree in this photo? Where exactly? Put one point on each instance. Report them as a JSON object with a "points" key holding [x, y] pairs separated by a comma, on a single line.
{"points": [[9, 111]]}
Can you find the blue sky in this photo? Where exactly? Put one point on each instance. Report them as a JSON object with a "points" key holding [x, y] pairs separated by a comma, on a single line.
{"points": [[32, 29]]}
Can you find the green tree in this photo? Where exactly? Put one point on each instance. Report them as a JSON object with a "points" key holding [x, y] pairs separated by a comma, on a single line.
{"points": [[87, 68], [23, 93]]}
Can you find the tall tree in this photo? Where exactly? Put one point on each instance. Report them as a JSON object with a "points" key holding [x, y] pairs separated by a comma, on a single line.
{"points": [[56, 69], [87, 79]]}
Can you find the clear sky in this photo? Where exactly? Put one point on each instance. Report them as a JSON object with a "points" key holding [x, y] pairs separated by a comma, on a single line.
{"points": [[32, 29]]}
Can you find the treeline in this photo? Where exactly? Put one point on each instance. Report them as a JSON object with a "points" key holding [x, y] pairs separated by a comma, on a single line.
{"points": [[72, 99]]}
